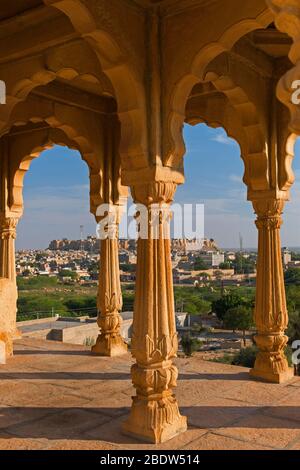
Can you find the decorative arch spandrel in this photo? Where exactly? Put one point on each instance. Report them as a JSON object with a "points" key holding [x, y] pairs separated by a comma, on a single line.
{"points": [[193, 72]]}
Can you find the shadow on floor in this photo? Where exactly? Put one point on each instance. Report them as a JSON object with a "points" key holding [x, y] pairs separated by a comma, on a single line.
{"points": [[66, 375], [51, 352], [104, 424], [213, 376]]}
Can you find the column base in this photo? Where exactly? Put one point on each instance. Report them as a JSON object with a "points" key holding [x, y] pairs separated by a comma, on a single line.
{"points": [[155, 421], [273, 377], [109, 346], [271, 363]]}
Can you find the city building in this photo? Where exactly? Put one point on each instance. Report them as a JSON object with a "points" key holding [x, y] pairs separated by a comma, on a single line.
{"points": [[286, 256], [212, 259]]}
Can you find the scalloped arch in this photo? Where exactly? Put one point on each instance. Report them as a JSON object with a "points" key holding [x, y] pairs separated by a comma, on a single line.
{"points": [[22, 89], [286, 173], [175, 147], [68, 136], [129, 89], [223, 115], [249, 118]]}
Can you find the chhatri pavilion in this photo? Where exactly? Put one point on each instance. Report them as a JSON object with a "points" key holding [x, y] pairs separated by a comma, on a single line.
{"points": [[117, 80]]}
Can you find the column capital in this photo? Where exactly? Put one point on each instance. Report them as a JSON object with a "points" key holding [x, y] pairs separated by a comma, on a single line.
{"points": [[155, 173], [155, 192], [8, 227], [268, 212]]}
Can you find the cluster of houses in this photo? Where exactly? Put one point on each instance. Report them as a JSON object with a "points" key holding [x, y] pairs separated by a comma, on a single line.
{"points": [[81, 257]]}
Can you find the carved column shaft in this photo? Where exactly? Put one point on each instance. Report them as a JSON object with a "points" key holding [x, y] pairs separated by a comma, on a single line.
{"points": [[110, 341], [154, 416], [271, 315], [7, 250], [8, 299]]}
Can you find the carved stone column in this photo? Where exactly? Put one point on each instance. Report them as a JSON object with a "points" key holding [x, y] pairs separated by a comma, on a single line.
{"points": [[8, 287], [271, 315], [110, 341], [7, 250], [154, 416]]}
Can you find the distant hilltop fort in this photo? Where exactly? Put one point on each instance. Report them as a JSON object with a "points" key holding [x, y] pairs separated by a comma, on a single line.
{"points": [[92, 244], [204, 244]]}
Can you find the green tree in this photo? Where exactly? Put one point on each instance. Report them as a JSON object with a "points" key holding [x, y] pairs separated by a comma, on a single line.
{"points": [[36, 283], [93, 267], [226, 302], [239, 318], [190, 344], [293, 331], [82, 305], [128, 268], [292, 276], [295, 256], [68, 273], [39, 306], [225, 265], [244, 265], [200, 265]]}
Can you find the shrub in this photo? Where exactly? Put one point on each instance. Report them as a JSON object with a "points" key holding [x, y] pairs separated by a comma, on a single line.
{"points": [[245, 357], [190, 345]]}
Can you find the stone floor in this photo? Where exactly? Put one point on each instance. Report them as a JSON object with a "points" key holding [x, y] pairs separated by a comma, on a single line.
{"points": [[55, 396]]}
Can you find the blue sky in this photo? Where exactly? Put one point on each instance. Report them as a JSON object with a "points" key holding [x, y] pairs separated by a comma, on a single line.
{"points": [[56, 193]]}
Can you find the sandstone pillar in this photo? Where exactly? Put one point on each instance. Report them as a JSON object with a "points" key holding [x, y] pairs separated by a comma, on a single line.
{"points": [[110, 341], [7, 250], [271, 315], [154, 416], [8, 287]]}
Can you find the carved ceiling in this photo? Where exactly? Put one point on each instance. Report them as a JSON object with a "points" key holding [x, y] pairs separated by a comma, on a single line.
{"points": [[15, 7], [271, 41], [171, 3]]}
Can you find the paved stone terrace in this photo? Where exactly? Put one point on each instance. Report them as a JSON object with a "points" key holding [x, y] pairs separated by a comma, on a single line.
{"points": [[55, 396]]}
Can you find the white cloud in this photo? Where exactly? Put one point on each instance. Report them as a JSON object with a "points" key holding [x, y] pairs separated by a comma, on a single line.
{"points": [[223, 139], [236, 178]]}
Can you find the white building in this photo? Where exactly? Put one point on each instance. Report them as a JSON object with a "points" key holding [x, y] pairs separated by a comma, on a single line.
{"points": [[213, 259]]}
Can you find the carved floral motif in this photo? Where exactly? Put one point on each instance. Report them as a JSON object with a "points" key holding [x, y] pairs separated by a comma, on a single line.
{"points": [[8, 228]]}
